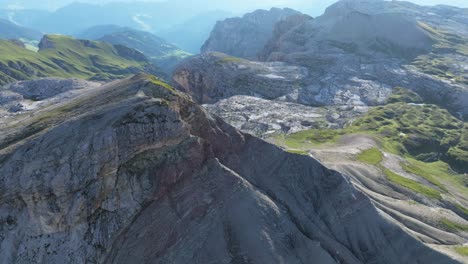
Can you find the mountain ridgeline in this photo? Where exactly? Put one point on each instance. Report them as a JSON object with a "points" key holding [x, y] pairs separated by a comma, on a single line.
{"points": [[157, 179], [158, 51], [376, 90], [10, 30], [341, 138], [62, 56]]}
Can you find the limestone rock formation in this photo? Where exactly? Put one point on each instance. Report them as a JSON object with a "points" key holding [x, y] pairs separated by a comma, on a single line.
{"points": [[135, 172], [353, 55], [245, 37], [213, 76], [265, 118]]}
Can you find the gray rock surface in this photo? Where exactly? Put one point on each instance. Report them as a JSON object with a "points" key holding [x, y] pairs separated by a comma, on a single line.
{"points": [[134, 172], [245, 36], [379, 41], [26, 96], [45, 88], [265, 118], [354, 55], [213, 76]]}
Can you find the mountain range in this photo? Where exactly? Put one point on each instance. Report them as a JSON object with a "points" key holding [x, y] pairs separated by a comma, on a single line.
{"points": [[62, 56], [9, 30], [158, 50], [340, 138], [183, 23]]}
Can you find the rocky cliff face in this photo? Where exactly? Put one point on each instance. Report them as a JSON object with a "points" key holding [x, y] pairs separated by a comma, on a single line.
{"points": [[213, 76], [245, 37], [353, 55], [135, 172]]}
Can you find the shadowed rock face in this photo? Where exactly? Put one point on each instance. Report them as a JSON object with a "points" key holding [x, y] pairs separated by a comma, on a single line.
{"points": [[213, 76], [134, 172], [245, 37]]}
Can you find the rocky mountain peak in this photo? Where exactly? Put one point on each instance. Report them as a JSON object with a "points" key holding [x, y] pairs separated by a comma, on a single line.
{"points": [[46, 43], [245, 37]]}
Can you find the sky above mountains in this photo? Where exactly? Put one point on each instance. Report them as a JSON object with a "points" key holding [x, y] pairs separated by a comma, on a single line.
{"points": [[313, 7]]}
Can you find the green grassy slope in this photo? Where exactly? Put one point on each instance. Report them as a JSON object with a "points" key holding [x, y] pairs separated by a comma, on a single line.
{"points": [[444, 61], [419, 131], [158, 50], [62, 56]]}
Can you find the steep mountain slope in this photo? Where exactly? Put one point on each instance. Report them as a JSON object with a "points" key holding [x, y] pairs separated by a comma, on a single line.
{"points": [[361, 49], [213, 76], [136, 172], [61, 56], [159, 51], [411, 159], [244, 37], [399, 145], [9, 30]]}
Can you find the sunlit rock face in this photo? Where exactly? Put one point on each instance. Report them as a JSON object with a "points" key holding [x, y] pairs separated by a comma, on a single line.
{"points": [[245, 37]]}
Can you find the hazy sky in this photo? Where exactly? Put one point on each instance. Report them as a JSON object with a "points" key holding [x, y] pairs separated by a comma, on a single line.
{"points": [[315, 6]]}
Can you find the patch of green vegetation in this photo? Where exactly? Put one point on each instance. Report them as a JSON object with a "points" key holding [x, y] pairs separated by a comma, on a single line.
{"points": [[311, 137], [446, 42], [174, 54], [412, 185], [452, 226], [67, 57], [462, 250], [437, 62], [403, 95], [424, 171], [158, 82], [459, 153], [371, 156], [230, 59], [425, 132], [300, 152], [461, 208], [436, 173]]}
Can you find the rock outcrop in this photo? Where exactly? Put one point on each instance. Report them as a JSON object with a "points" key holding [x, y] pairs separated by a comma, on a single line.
{"points": [[264, 118], [354, 55], [135, 172], [213, 76], [245, 37], [27, 96]]}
